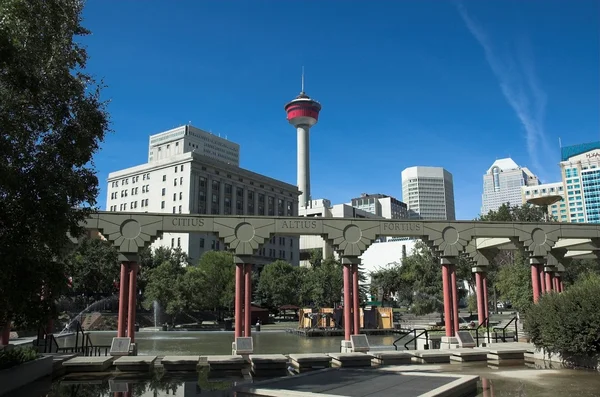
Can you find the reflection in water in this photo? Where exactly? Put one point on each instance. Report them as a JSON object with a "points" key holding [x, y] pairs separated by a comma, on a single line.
{"points": [[219, 342]]}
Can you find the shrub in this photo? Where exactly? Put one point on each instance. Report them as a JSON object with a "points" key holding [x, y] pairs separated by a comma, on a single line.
{"points": [[13, 357], [568, 323]]}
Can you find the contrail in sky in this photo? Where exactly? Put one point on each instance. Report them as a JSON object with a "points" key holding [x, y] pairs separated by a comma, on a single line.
{"points": [[519, 85]]}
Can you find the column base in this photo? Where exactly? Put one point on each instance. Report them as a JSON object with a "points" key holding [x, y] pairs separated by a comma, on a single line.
{"points": [[448, 342], [346, 347]]}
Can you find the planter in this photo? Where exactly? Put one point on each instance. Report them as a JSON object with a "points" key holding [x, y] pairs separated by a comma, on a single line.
{"points": [[15, 377]]}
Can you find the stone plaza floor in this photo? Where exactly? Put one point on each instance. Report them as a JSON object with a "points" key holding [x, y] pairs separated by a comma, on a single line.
{"points": [[365, 382]]}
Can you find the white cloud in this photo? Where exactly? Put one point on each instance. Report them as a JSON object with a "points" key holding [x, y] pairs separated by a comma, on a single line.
{"points": [[519, 85]]}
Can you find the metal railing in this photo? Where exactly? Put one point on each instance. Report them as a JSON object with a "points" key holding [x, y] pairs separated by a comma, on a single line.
{"points": [[83, 343], [416, 337], [48, 339], [406, 332], [503, 329], [486, 323], [401, 332]]}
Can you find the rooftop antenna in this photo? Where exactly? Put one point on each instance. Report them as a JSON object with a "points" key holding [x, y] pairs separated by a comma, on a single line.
{"points": [[302, 90]]}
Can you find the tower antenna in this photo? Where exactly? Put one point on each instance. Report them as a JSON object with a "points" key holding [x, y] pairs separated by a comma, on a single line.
{"points": [[302, 90]]}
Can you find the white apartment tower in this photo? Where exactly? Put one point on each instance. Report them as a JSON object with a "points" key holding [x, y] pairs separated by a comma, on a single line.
{"points": [[502, 184], [191, 171], [428, 193]]}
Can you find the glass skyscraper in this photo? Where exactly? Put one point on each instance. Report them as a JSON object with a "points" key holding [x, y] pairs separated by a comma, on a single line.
{"points": [[580, 169]]}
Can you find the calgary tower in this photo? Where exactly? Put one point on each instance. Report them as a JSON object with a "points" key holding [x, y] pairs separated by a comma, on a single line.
{"points": [[303, 113]]}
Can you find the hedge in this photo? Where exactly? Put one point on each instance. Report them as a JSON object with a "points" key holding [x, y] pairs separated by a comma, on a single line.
{"points": [[568, 323], [17, 356]]}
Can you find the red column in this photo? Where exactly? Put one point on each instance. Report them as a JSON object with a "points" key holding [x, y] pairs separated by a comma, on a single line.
{"points": [[123, 297], [355, 299], [5, 336], [239, 290], [447, 298], [133, 270], [347, 302], [454, 298], [535, 282], [561, 287], [548, 282], [248, 300], [485, 296], [542, 280], [556, 280], [479, 295]]}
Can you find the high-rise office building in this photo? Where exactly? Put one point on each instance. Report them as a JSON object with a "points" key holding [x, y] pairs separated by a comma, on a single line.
{"points": [[193, 172], [381, 205], [502, 184], [428, 193], [580, 170]]}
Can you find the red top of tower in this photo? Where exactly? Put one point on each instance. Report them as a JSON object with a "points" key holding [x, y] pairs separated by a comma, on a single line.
{"points": [[303, 110]]}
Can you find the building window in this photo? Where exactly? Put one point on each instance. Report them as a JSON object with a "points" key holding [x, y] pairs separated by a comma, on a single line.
{"points": [[174, 210], [164, 178], [181, 180], [164, 191], [174, 196], [201, 243], [271, 206], [180, 195], [261, 204], [181, 168], [162, 205], [175, 182], [180, 209]]}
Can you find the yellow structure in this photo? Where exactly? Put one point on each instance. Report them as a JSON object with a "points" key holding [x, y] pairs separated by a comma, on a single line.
{"points": [[384, 318]]}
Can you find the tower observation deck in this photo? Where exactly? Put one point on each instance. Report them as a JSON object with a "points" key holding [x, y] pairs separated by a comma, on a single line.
{"points": [[303, 113]]}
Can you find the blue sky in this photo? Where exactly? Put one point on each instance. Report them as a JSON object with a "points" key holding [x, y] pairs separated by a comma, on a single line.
{"points": [[402, 83]]}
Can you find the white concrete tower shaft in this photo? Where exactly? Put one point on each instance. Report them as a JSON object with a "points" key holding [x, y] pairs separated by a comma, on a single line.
{"points": [[303, 164]]}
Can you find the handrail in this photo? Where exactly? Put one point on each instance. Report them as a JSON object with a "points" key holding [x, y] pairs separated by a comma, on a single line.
{"points": [[48, 339], [503, 329], [485, 322], [423, 331], [401, 332]]}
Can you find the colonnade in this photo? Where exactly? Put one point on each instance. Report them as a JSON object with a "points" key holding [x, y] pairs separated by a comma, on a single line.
{"points": [[243, 298], [127, 300], [544, 278]]}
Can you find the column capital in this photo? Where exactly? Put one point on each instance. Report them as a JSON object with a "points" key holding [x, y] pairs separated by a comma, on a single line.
{"points": [[550, 269], [350, 260], [479, 269], [448, 260], [537, 260], [128, 257], [243, 259]]}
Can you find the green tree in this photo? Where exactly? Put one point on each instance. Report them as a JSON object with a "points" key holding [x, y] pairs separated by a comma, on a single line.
{"points": [[218, 270], [278, 285], [94, 267], [52, 121], [423, 272], [515, 213], [164, 287], [305, 285], [328, 283], [578, 269], [151, 259], [514, 283]]}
